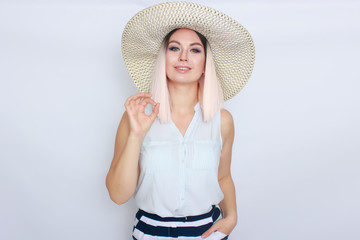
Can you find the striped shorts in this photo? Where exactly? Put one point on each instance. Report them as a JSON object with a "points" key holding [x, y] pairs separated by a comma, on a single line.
{"points": [[149, 226]]}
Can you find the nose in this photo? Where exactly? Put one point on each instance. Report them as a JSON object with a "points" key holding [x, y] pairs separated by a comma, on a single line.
{"points": [[183, 55]]}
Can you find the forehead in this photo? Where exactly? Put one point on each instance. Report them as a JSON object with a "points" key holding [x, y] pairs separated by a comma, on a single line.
{"points": [[185, 35]]}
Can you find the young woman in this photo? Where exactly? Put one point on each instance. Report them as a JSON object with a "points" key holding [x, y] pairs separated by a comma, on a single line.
{"points": [[175, 160]]}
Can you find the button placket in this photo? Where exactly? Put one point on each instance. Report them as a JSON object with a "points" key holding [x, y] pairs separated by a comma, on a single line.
{"points": [[182, 171], [183, 153]]}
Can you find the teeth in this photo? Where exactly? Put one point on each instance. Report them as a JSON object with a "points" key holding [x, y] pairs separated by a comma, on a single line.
{"points": [[182, 68]]}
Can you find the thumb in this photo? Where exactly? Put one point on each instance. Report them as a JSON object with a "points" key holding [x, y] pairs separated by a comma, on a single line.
{"points": [[155, 111], [212, 229]]}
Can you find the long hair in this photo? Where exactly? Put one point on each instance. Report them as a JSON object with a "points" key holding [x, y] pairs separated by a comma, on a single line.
{"points": [[159, 88], [210, 95]]}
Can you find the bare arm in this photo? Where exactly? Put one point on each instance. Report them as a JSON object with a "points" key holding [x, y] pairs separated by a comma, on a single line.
{"points": [[123, 175], [228, 204]]}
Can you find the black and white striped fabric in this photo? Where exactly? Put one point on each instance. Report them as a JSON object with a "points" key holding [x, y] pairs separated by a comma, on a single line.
{"points": [[149, 226]]}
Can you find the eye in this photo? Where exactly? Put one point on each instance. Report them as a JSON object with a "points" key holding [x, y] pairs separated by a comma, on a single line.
{"points": [[174, 49], [195, 50]]}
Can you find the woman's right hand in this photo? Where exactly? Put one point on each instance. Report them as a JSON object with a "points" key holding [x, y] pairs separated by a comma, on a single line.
{"points": [[140, 122]]}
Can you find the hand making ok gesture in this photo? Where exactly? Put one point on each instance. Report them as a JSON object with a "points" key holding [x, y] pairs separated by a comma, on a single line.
{"points": [[140, 122]]}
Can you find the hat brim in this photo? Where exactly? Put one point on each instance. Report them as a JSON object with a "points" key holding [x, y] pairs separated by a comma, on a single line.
{"points": [[231, 44]]}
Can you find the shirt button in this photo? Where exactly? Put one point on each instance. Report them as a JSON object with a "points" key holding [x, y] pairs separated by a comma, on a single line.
{"points": [[182, 142], [182, 161], [182, 199]]}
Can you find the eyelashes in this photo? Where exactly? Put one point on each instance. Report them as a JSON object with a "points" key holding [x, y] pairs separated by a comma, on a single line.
{"points": [[174, 49], [194, 50]]}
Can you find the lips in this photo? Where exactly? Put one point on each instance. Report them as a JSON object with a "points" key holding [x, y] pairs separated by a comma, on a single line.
{"points": [[182, 69]]}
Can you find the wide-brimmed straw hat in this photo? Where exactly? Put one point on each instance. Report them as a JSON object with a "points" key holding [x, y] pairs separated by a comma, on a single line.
{"points": [[231, 44]]}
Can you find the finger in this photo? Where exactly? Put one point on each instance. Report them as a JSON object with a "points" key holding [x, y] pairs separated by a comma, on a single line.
{"points": [[209, 231], [143, 103], [134, 101], [130, 99], [141, 95], [147, 101], [138, 100], [136, 96], [147, 95], [155, 111]]}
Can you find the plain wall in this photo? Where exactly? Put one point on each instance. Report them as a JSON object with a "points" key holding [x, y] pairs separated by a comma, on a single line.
{"points": [[63, 84]]}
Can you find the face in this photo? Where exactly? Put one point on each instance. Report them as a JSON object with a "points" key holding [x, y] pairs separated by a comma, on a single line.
{"points": [[185, 57]]}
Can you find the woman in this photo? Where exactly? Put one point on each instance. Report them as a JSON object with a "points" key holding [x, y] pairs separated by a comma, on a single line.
{"points": [[175, 160]]}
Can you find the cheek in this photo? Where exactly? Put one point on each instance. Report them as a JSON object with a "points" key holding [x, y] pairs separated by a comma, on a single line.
{"points": [[167, 60], [201, 61], [168, 63], [201, 64]]}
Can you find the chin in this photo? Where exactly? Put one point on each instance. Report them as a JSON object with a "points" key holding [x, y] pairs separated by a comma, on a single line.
{"points": [[184, 79], [181, 80]]}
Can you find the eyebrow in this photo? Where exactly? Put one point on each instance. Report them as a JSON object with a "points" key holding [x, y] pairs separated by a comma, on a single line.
{"points": [[192, 44]]}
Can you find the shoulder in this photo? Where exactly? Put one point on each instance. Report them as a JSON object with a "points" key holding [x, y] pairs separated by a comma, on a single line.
{"points": [[226, 115], [227, 124], [226, 119]]}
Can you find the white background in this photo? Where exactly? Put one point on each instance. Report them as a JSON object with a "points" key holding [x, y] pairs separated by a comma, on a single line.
{"points": [[296, 151]]}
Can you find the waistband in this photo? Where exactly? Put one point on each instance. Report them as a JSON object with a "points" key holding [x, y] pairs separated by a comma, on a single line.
{"points": [[214, 213]]}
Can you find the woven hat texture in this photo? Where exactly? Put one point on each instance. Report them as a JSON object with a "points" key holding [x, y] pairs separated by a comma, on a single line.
{"points": [[231, 44]]}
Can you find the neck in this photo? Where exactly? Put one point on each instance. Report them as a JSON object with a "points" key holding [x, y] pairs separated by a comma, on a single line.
{"points": [[183, 97]]}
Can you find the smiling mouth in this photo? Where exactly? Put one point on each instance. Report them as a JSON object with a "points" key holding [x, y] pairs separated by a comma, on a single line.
{"points": [[182, 68]]}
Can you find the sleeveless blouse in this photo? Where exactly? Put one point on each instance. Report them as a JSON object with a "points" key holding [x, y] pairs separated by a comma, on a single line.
{"points": [[179, 174]]}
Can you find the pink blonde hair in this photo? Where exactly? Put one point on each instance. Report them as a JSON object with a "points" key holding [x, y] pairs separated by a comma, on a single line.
{"points": [[210, 97]]}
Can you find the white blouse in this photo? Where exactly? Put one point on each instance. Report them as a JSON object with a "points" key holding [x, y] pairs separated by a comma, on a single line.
{"points": [[179, 174]]}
